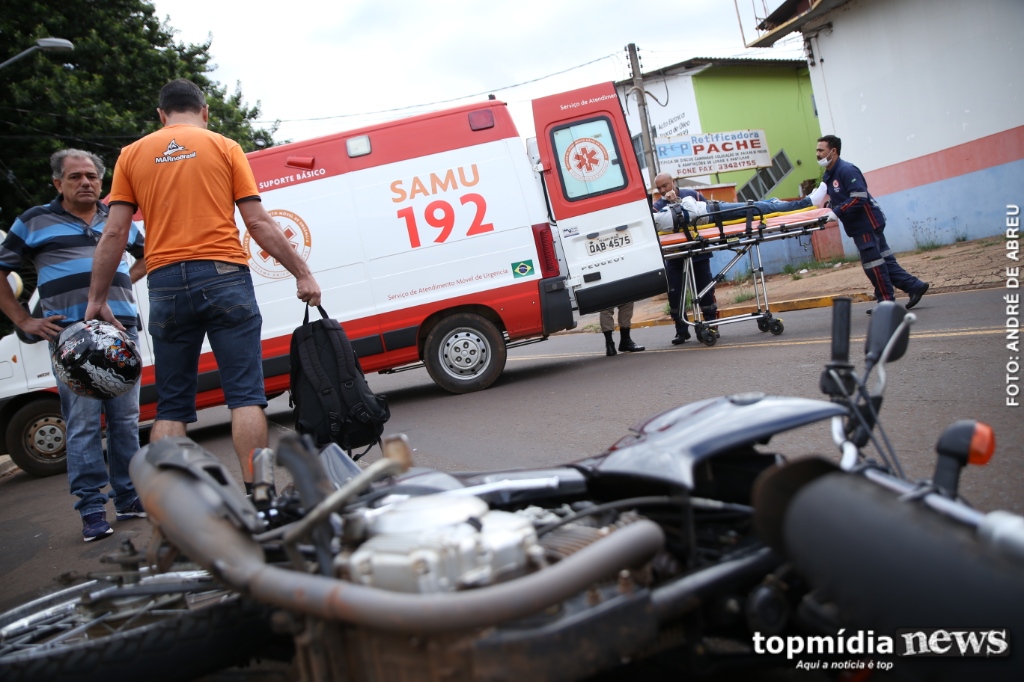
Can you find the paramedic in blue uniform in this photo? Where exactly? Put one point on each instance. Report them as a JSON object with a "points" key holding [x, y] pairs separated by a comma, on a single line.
{"points": [[864, 222]]}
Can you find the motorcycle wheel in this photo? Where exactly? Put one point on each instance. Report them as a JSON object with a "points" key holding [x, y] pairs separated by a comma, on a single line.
{"points": [[177, 636]]}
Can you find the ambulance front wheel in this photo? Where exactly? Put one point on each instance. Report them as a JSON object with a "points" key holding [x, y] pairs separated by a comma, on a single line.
{"points": [[464, 353]]}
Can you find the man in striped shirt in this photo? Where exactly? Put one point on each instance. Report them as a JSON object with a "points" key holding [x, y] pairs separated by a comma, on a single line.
{"points": [[59, 240]]}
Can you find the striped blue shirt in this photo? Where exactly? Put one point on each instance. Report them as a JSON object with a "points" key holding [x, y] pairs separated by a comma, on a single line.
{"points": [[61, 246]]}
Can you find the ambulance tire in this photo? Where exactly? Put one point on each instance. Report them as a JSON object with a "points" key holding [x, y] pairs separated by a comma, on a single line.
{"points": [[36, 438], [464, 352]]}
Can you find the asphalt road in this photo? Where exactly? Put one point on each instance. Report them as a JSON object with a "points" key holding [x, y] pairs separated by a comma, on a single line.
{"points": [[563, 399]]}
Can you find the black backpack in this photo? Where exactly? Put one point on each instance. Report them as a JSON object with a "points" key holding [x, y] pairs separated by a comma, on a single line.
{"points": [[332, 401]]}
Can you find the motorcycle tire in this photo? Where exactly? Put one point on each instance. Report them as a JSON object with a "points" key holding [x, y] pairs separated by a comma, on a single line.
{"points": [[177, 641]]}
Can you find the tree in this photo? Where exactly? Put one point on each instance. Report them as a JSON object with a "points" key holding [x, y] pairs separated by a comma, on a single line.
{"points": [[100, 97]]}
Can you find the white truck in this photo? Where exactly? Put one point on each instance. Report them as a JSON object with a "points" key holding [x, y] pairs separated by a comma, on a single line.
{"points": [[443, 238]]}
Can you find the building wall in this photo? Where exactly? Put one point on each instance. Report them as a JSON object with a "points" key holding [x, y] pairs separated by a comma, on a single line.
{"points": [[721, 98], [776, 100], [707, 100], [927, 98]]}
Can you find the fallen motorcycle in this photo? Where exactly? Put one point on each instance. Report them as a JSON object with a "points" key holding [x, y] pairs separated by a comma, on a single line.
{"points": [[665, 555]]}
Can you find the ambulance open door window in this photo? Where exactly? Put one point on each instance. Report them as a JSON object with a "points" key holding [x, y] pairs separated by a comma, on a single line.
{"points": [[588, 159]]}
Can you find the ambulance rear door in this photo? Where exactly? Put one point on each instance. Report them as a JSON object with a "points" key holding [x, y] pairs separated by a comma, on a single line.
{"points": [[597, 198]]}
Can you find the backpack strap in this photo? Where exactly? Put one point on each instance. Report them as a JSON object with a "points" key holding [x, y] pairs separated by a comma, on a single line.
{"points": [[343, 350], [305, 317], [314, 371]]}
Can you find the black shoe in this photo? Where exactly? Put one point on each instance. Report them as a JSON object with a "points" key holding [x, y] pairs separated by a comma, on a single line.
{"points": [[869, 311], [682, 333], [915, 298], [609, 345], [626, 344]]}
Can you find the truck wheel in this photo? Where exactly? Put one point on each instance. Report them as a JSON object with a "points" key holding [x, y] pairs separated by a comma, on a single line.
{"points": [[464, 353], [37, 438]]}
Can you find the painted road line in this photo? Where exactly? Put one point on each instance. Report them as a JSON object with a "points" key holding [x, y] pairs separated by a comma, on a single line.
{"points": [[768, 343]]}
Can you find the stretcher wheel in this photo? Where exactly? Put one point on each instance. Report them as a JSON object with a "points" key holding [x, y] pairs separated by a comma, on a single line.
{"points": [[764, 323], [776, 327], [709, 337]]}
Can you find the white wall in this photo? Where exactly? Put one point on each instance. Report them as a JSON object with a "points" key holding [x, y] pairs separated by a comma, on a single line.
{"points": [[898, 79]]}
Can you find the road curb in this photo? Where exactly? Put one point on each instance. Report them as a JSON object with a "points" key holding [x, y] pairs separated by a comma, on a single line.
{"points": [[6, 464], [779, 307]]}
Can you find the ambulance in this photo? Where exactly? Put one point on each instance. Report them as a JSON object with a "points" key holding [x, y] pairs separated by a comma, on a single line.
{"points": [[440, 240]]}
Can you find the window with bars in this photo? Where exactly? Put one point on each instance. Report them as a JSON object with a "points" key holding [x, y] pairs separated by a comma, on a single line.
{"points": [[765, 179]]}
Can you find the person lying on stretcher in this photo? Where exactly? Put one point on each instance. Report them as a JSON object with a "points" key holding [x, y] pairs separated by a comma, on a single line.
{"points": [[693, 212]]}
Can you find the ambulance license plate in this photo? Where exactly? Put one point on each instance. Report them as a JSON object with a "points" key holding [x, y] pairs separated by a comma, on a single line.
{"points": [[595, 247]]}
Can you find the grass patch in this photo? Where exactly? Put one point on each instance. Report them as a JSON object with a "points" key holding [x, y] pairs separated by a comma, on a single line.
{"points": [[818, 264], [742, 275], [928, 245], [742, 295], [796, 276], [939, 257]]}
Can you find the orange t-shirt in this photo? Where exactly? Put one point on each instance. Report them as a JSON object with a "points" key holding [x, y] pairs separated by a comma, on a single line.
{"points": [[186, 180]]}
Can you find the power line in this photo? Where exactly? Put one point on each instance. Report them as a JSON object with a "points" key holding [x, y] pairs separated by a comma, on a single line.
{"points": [[444, 101]]}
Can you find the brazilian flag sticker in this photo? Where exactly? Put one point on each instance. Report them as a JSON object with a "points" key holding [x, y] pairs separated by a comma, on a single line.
{"points": [[523, 268]]}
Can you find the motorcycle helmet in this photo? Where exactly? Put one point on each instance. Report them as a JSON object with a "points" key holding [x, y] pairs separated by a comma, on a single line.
{"points": [[95, 359]]}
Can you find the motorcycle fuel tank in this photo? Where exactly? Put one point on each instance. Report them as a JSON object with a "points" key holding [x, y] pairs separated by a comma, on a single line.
{"points": [[670, 446]]}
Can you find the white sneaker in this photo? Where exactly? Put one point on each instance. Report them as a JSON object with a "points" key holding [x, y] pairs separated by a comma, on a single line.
{"points": [[697, 210], [817, 196]]}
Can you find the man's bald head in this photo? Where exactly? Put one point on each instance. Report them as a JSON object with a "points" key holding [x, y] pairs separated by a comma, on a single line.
{"points": [[664, 183]]}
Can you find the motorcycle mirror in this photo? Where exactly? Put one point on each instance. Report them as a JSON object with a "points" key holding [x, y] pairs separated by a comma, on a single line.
{"points": [[885, 322]]}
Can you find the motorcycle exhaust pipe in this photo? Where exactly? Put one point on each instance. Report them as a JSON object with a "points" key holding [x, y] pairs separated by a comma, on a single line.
{"points": [[892, 564], [192, 516]]}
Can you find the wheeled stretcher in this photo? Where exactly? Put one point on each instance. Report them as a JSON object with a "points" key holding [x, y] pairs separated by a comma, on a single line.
{"points": [[744, 237]]}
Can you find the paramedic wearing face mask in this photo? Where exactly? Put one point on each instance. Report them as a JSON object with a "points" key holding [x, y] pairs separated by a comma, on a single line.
{"points": [[864, 222]]}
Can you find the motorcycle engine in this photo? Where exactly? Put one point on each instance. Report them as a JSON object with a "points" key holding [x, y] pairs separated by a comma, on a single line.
{"points": [[440, 543]]}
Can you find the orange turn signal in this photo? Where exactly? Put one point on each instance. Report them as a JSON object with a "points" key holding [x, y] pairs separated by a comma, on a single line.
{"points": [[983, 444]]}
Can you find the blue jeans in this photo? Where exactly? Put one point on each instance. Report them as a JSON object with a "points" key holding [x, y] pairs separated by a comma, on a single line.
{"points": [[188, 302], [734, 210], [87, 472]]}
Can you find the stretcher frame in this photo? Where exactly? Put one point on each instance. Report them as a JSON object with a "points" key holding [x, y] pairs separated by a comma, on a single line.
{"points": [[743, 237]]}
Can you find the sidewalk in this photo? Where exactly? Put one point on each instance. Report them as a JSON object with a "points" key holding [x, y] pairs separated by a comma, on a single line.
{"points": [[978, 264]]}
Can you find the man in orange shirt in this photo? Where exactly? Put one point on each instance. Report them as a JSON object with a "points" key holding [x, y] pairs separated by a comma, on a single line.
{"points": [[187, 182]]}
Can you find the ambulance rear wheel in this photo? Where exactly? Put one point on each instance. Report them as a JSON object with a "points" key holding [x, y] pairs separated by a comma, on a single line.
{"points": [[464, 353], [37, 438]]}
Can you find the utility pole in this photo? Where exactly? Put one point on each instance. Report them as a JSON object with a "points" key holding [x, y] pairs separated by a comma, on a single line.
{"points": [[641, 103]]}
